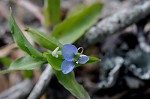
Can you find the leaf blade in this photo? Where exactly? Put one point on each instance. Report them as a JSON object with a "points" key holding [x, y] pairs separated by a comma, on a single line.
{"points": [[44, 39], [51, 12], [75, 26], [24, 63], [2, 72], [55, 62], [20, 39], [93, 60], [69, 82]]}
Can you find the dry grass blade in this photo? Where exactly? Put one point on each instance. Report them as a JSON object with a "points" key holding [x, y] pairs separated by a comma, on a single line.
{"points": [[4, 51]]}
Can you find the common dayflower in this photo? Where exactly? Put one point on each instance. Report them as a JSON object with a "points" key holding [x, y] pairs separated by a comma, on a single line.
{"points": [[69, 52]]}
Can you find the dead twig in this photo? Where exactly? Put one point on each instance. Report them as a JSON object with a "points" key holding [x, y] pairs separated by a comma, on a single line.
{"points": [[42, 83], [20, 91]]}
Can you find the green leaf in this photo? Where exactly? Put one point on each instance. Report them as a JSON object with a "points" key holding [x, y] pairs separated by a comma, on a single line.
{"points": [[5, 60], [5, 71], [69, 82], [55, 62], [75, 10], [21, 41], [24, 63], [75, 26], [52, 12], [44, 39], [93, 60], [28, 74]]}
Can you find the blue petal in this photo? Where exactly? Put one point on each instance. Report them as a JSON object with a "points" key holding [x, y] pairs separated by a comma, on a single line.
{"points": [[69, 51], [83, 59], [67, 66]]}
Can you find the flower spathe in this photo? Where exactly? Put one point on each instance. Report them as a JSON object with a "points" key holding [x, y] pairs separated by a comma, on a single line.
{"points": [[68, 52]]}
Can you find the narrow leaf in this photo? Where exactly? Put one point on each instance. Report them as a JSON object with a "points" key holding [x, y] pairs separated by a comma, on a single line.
{"points": [[44, 39], [5, 60], [55, 62], [21, 41], [28, 74], [51, 12], [5, 71], [75, 26], [76, 9], [93, 60], [70, 83], [24, 63]]}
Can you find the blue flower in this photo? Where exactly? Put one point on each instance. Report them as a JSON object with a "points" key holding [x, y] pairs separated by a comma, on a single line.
{"points": [[68, 52]]}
